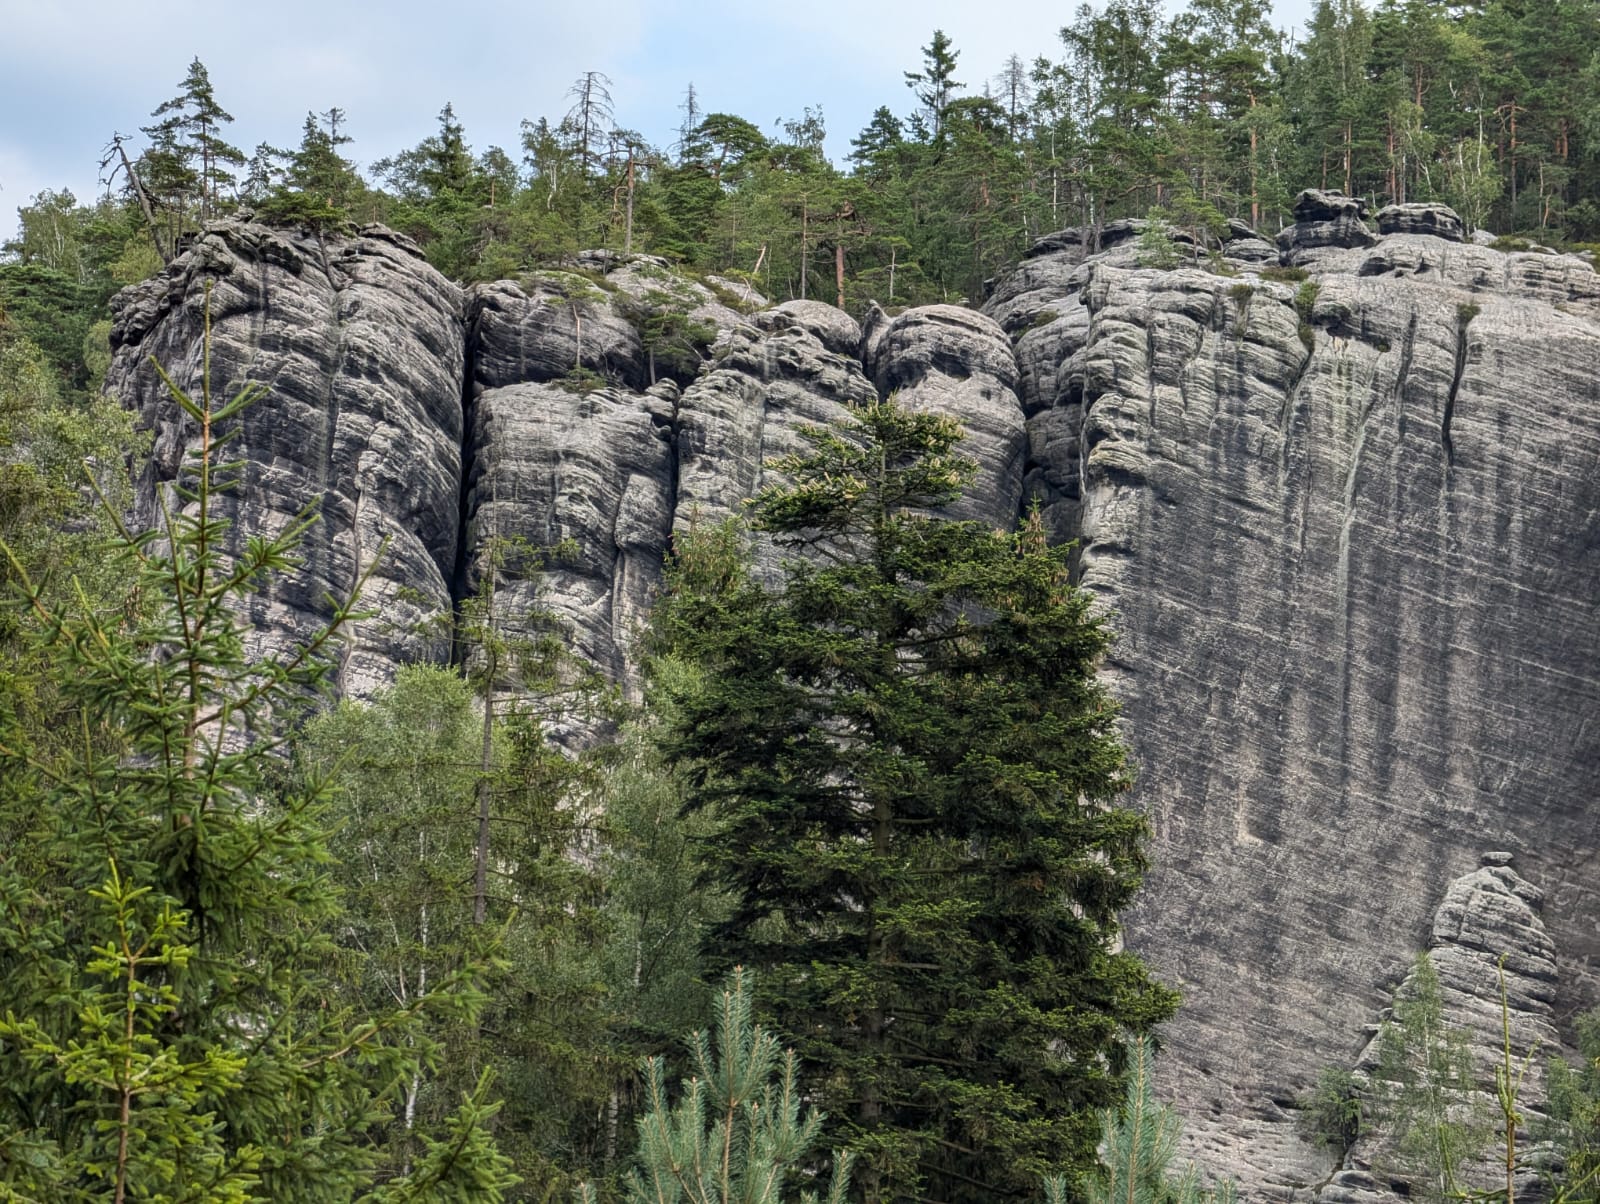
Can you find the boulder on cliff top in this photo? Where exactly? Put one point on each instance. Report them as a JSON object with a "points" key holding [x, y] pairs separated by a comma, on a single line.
{"points": [[1440, 221], [1325, 219]]}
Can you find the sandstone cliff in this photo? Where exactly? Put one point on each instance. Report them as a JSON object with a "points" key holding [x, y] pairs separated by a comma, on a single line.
{"points": [[362, 346], [1348, 525]]}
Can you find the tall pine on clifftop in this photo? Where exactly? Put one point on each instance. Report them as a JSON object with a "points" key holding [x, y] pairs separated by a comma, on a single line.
{"points": [[914, 772]]}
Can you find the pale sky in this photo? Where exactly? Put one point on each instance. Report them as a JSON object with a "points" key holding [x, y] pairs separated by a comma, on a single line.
{"points": [[74, 71]]}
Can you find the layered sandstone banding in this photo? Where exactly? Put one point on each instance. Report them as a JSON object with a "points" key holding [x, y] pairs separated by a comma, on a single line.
{"points": [[361, 345], [1348, 525]]}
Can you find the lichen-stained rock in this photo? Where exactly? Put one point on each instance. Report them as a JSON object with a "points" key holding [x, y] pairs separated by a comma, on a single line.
{"points": [[552, 464], [944, 359], [650, 283], [833, 328], [360, 344], [1346, 527]]}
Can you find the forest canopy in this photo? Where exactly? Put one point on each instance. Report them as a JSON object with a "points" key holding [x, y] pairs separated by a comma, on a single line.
{"points": [[1205, 114]]}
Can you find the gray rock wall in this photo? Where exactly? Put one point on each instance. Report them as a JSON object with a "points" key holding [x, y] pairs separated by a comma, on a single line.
{"points": [[1354, 563], [534, 412], [361, 345], [1347, 526]]}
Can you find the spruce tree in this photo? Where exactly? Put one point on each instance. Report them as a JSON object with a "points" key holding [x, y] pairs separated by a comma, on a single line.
{"points": [[169, 1024], [914, 776], [936, 84]]}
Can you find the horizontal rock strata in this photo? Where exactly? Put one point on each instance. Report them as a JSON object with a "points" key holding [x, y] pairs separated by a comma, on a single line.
{"points": [[1340, 494], [1346, 524], [361, 346]]}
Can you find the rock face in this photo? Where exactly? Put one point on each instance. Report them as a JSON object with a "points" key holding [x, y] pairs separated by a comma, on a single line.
{"points": [[361, 344], [1486, 916], [1438, 220], [943, 359], [569, 420], [1347, 527], [1346, 524], [1325, 219]]}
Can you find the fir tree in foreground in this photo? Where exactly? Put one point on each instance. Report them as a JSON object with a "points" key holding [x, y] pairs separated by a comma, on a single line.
{"points": [[914, 773], [169, 1019]]}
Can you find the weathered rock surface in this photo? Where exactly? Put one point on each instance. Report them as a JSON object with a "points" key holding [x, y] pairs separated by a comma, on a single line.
{"points": [[943, 359], [551, 464], [1324, 219], [549, 326], [1354, 566], [1347, 525], [1489, 918], [360, 342], [1441, 221]]}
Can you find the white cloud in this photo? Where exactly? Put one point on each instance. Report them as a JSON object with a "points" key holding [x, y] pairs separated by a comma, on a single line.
{"points": [[72, 71]]}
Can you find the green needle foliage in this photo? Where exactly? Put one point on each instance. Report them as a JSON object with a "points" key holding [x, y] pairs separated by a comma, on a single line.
{"points": [[736, 1133], [1138, 1141], [171, 1027], [1575, 1113], [913, 773], [1424, 1089]]}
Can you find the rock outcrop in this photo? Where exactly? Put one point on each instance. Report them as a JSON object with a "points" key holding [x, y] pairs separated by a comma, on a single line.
{"points": [[1438, 220], [1324, 219], [361, 345], [1489, 919], [943, 359], [1341, 498], [1347, 528]]}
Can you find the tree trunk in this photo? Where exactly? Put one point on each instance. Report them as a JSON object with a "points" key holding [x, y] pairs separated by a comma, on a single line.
{"points": [[145, 204], [1255, 191], [838, 263], [804, 216], [480, 852], [627, 237], [1349, 156]]}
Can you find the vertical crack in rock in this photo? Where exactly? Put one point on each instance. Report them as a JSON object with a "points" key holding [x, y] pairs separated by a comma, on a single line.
{"points": [[1463, 322], [460, 572]]}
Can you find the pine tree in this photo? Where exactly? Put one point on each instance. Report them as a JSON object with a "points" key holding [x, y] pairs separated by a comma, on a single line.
{"points": [[319, 183], [736, 1133], [189, 162], [1138, 1141], [442, 194], [171, 1030], [913, 771]]}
